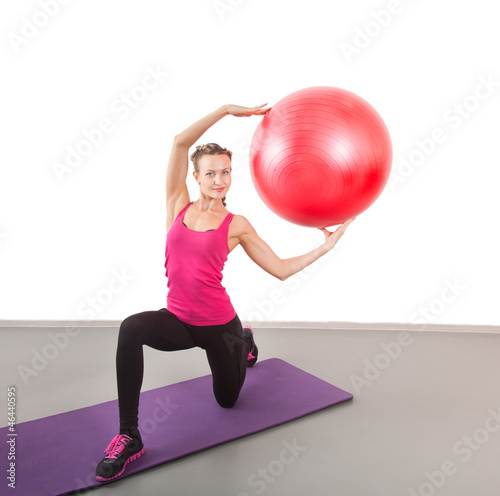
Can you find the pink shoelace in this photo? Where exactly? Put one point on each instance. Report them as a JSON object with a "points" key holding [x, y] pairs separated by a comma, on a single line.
{"points": [[250, 356], [116, 445]]}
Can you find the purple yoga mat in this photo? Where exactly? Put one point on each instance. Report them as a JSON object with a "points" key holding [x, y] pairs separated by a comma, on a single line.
{"points": [[58, 454]]}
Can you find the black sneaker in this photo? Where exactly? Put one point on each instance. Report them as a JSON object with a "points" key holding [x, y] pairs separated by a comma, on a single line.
{"points": [[254, 351], [120, 451]]}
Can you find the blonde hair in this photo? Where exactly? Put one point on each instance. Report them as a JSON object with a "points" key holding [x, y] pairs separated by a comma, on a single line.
{"points": [[208, 149]]}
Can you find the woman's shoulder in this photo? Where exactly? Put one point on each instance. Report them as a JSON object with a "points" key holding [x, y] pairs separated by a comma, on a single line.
{"points": [[239, 219], [240, 225]]}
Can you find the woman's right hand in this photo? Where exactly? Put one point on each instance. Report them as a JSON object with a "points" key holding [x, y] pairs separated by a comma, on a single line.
{"points": [[238, 111], [331, 238]]}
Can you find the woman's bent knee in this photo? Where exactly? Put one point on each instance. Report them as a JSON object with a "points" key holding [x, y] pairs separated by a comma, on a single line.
{"points": [[227, 401], [129, 329]]}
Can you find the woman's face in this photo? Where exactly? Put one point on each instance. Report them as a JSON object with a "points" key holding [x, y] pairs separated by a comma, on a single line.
{"points": [[214, 176]]}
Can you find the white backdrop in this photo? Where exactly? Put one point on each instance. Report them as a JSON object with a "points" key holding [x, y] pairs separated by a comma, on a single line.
{"points": [[93, 92]]}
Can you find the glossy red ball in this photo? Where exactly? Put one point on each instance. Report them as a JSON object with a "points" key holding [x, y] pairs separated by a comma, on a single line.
{"points": [[320, 156]]}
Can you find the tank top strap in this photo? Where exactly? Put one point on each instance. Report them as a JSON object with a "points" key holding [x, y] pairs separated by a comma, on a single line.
{"points": [[181, 213], [225, 223]]}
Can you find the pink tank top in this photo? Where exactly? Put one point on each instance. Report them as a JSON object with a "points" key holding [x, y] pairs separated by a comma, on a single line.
{"points": [[194, 261]]}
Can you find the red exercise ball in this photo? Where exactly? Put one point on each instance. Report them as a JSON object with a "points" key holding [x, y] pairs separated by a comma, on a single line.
{"points": [[320, 156]]}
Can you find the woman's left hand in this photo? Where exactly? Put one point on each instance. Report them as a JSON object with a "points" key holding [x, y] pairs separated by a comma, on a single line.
{"points": [[332, 237], [239, 111]]}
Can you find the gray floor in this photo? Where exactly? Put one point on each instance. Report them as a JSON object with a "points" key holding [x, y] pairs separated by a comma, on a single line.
{"points": [[423, 421]]}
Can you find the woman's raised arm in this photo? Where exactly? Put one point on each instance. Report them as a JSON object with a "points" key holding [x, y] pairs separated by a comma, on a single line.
{"points": [[177, 169], [177, 192]]}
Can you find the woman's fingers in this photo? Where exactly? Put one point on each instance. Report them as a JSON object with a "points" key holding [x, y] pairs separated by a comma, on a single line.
{"points": [[259, 110], [240, 111], [335, 235], [346, 223]]}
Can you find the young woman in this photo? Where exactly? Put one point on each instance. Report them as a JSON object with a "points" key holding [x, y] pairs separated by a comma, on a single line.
{"points": [[200, 235]]}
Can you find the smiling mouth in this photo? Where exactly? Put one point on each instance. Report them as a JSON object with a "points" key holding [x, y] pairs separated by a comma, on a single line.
{"points": [[219, 189]]}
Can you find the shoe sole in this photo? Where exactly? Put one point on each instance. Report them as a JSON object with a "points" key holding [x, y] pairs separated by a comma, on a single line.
{"points": [[131, 459]]}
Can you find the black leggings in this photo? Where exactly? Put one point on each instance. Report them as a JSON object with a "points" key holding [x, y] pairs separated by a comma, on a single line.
{"points": [[226, 350]]}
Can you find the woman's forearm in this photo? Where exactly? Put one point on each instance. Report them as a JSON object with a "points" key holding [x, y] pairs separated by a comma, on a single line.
{"points": [[192, 134], [291, 266]]}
